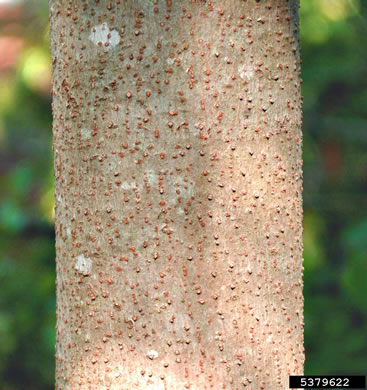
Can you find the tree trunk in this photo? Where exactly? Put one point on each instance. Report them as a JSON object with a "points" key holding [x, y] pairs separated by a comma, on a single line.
{"points": [[177, 145]]}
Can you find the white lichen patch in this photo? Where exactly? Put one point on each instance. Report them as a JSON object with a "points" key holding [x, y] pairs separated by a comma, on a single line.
{"points": [[180, 211], [102, 36], [152, 177], [128, 186], [85, 133], [152, 354], [59, 199], [195, 130], [116, 373], [83, 265], [245, 74]]}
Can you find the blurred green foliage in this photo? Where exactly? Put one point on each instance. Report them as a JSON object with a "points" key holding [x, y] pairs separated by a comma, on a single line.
{"points": [[335, 185], [334, 71], [27, 268]]}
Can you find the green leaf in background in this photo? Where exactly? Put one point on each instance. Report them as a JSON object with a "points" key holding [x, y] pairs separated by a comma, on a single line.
{"points": [[354, 280], [355, 237], [12, 218]]}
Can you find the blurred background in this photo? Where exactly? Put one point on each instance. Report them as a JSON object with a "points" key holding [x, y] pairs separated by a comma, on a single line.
{"points": [[334, 54]]}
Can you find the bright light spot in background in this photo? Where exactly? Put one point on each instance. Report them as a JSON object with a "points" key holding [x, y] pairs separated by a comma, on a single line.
{"points": [[36, 70], [10, 2], [319, 17], [47, 204], [336, 9]]}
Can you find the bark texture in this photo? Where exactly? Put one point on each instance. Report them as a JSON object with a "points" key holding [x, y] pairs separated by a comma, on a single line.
{"points": [[177, 145]]}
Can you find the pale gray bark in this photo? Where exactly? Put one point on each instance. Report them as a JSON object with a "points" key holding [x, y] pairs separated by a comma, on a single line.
{"points": [[177, 144]]}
